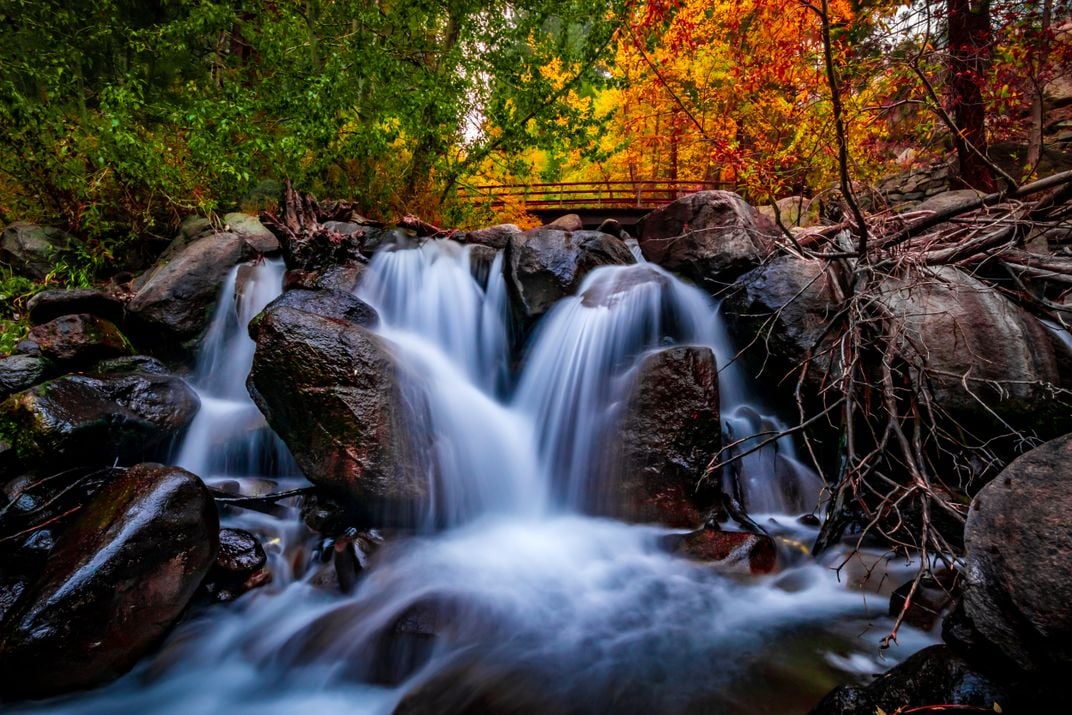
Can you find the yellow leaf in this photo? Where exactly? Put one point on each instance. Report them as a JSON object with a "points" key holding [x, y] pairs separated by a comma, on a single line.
{"points": [[880, 711], [997, 708]]}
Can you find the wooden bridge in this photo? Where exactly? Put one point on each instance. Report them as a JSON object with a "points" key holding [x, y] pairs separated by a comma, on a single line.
{"points": [[625, 201]]}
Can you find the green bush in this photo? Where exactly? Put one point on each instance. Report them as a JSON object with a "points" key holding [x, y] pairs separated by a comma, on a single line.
{"points": [[15, 290]]}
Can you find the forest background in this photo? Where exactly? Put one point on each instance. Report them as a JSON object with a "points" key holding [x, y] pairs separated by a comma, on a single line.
{"points": [[119, 117]]}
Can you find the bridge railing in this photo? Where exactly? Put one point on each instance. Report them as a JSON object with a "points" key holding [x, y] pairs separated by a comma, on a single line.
{"points": [[588, 194]]}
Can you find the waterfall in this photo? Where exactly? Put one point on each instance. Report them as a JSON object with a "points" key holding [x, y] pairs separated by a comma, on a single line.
{"points": [[431, 292], [524, 602], [585, 344], [229, 437], [453, 334]]}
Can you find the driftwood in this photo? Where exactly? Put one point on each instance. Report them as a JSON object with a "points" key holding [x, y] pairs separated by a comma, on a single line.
{"points": [[1057, 181], [423, 229], [266, 503], [307, 243]]}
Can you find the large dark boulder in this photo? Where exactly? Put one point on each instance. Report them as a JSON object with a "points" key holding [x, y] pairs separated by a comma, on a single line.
{"points": [[710, 237], [51, 304], [51, 499], [175, 299], [975, 353], [331, 389], [1018, 591], [981, 354], [18, 372], [545, 264], [78, 340], [669, 431], [933, 676], [31, 250], [97, 418], [115, 582], [779, 313]]}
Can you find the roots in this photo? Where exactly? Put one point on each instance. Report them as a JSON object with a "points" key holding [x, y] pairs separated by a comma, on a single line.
{"points": [[906, 465]]}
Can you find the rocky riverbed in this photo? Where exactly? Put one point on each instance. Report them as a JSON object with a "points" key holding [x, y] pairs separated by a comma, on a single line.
{"points": [[586, 385]]}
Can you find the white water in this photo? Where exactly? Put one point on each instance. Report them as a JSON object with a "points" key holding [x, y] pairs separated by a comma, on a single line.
{"points": [[534, 602], [229, 438]]}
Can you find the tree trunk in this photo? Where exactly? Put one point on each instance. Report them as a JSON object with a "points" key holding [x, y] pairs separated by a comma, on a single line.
{"points": [[969, 55], [675, 140], [1034, 140], [432, 144]]}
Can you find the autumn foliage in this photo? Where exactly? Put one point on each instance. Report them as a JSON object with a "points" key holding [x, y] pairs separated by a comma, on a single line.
{"points": [[736, 92]]}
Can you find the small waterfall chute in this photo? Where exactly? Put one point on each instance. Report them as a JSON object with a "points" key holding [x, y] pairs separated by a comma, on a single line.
{"points": [[228, 437]]}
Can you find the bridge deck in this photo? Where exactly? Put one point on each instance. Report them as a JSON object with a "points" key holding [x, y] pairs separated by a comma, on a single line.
{"points": [[625, 201]]}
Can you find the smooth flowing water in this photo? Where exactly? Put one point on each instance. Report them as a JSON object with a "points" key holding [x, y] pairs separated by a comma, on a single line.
{"points": [[229, 437], [512, 594]]}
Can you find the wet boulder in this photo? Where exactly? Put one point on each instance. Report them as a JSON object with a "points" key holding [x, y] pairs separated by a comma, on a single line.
{"points": [[614, 228], [31, 250], [328, 304], [240, 566], [979, 354], [250, 228], [34, 499], [779, 313], [115, 582], [933, 676], [97, 418], [729, 551], [669, 432], [569, 222], [18, 372], [78, 340], [332, 391], [344, 278], [1018, 590], [481, 261], [546, 264], [492, 236], [176, 298], [51, 304], [710, 237]]}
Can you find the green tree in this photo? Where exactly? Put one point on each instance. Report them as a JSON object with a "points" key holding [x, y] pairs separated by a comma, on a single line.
{"points": [[118, 116]]}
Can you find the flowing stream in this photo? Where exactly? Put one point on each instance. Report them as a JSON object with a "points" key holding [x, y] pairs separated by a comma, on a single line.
{"points": [[229, 438], [510, 593]]}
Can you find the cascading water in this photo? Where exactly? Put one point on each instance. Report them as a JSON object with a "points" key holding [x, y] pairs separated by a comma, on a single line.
{"points": [[452, 335], [431, 292], [228, 437], [524, 601]]}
